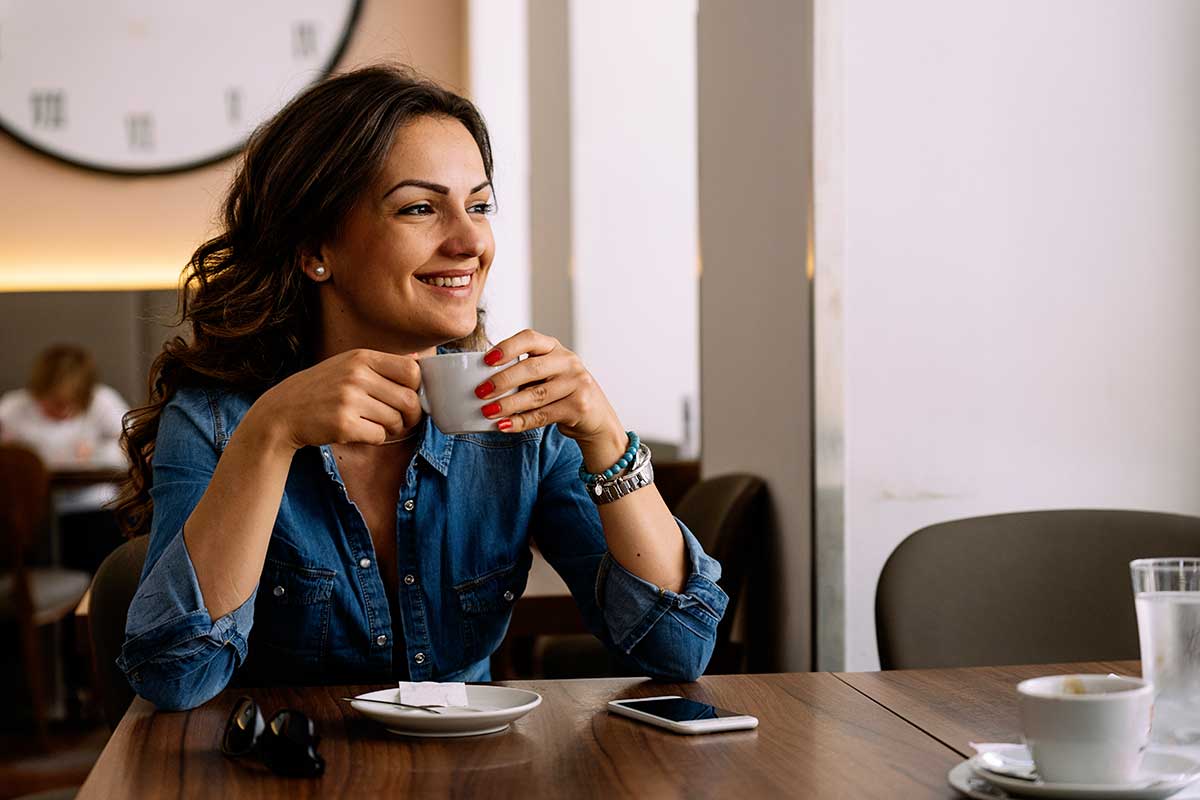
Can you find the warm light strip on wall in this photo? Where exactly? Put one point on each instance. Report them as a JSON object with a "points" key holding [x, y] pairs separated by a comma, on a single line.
{"points": [[88, 277]]}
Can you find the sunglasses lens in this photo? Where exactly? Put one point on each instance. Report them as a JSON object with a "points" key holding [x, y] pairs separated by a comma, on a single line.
{"points": [[290, 746], [243, 728]]}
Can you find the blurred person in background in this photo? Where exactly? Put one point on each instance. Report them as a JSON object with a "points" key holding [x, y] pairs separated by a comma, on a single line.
{"points": [[72, 422]]}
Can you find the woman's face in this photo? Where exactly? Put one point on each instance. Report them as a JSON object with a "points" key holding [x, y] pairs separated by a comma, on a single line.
{"points": [[408, 269], [59, 404]]}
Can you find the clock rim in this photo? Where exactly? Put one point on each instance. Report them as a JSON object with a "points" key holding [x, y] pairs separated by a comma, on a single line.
{"points": [[140, 172]]}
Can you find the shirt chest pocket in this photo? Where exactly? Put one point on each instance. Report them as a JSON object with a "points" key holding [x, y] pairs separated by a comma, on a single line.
{"points": [[486, 603], [291, 615]]}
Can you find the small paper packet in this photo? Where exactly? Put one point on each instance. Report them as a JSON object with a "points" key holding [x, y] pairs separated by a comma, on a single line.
{"points": [[432, 693]]}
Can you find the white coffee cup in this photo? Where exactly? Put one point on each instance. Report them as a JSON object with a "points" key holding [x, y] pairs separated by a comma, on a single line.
{"points": [[1086, 728], [447, 393]]}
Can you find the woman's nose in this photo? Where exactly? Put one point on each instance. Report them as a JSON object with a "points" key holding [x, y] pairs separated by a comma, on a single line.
{"points": [[465, 239]]}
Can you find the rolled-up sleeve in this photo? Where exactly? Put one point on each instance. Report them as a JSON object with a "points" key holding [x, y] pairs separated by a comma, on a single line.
{"points": [[175, 655], [668, 635]]}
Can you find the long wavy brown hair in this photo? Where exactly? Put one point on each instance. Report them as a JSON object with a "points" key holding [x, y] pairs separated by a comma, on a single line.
{"points": [[251, 311]]}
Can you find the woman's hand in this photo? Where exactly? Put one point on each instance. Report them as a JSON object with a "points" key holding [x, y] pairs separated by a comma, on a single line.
{"points": [[359, 396], [557, 388]]}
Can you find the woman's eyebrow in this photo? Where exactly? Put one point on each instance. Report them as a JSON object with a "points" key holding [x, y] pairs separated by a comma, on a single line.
{"points": [[433, 187]]}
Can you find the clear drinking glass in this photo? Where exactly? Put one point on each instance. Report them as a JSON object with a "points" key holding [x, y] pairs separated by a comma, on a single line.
{"points": [[1166, 593]]}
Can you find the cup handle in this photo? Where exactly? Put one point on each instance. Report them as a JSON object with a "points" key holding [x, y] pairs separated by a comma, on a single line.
{"points": [[424, 400]]}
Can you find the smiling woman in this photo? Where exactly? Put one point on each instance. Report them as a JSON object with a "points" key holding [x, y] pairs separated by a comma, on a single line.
{"points": [[308, 523]]}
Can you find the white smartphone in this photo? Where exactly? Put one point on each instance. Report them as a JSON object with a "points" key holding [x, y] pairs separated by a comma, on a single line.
{"points": [[681, 715]]}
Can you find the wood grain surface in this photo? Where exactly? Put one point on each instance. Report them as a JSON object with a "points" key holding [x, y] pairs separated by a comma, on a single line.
{"points": [[961, 705], [818, 737]]}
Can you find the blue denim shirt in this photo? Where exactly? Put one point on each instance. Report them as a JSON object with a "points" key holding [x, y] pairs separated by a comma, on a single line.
{"points": [[464, 519]]}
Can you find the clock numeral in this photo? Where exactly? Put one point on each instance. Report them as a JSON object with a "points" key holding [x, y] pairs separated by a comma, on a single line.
{"points": [[140, 130], [233, 105], [49, 108], [304, 39]]}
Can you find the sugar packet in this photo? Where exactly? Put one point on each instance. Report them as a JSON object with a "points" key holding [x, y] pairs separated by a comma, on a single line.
{"points": [[432, 693]]}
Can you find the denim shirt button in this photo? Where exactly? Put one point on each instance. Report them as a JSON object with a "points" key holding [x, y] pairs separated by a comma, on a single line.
{"points": [[409, 505], [381, 640], [278, 591], [419, 658], [409, 580], [364, 563], [508, 597]]}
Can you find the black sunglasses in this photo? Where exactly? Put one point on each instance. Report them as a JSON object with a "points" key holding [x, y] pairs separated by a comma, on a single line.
{"points": [[287, 744]]}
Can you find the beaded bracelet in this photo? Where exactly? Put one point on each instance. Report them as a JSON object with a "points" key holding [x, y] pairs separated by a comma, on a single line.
{"points": [[622, 462]]}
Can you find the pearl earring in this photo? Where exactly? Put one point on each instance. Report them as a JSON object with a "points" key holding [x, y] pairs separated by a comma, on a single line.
{"points": [[320, 272]]}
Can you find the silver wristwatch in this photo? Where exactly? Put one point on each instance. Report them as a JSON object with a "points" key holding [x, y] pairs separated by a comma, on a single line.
{"points": [[636, 476]]}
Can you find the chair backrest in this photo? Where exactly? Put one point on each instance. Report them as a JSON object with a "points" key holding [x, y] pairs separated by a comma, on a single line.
{"points": [[113, 588], [24, 502], [728, 516], [673, 479], [1024, 588]]}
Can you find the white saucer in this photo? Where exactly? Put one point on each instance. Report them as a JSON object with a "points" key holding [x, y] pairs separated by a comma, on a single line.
{"points": [[977, 782], [499, 705]]}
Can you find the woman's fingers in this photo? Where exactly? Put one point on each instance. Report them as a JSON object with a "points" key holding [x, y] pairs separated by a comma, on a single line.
{"points": [[558, 411], [527, 341], [532, 370], [401, 398], [553, 387], [529, 398], [383, 421], [403, 370]]}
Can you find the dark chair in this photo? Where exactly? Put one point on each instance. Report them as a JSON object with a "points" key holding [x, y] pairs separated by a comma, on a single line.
{"points": [[112, 591], [674, 479], [1026, 588], [728, 516], [31, 596]]}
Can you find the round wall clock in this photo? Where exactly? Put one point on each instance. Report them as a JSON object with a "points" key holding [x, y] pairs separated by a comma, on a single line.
{"points": [[145, 86]]}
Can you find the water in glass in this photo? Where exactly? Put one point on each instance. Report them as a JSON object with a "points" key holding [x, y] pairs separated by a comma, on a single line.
{"points": [[1169, 634]]}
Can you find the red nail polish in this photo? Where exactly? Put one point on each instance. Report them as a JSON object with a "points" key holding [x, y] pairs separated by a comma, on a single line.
{"points": [[484, 389], [504, 424], [493, 358], [491, 409]]}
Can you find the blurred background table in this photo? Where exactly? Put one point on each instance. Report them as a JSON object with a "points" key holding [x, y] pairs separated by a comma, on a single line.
{"points": [[79, 477]]}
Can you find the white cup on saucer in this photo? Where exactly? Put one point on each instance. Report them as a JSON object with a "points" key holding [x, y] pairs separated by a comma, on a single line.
{"points": [[1086, 728], [447, 393]]}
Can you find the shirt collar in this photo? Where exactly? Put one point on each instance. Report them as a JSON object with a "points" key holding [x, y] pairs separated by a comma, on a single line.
{"points": [[436, 447]]}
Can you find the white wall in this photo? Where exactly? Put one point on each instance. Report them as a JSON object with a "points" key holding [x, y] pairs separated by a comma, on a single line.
{"points": [[755, 178], [550, 169], [633, 207], [1022, 266], [498, 73]]}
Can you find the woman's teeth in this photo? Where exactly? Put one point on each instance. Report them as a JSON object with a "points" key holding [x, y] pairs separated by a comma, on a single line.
{"points": [[461, 280]]}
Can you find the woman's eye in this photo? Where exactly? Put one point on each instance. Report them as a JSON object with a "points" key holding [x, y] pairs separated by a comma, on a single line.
{"points": [[482, 208], [416, 210]]}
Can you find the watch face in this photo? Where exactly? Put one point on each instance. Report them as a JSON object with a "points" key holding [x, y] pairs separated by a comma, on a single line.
{"points": [[143, 86]]}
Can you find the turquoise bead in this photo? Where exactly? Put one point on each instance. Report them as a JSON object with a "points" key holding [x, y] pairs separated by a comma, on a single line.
{"points": [[624, 461]]}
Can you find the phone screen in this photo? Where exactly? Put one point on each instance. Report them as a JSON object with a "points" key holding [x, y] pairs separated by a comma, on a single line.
{"points": [[679, 709]]}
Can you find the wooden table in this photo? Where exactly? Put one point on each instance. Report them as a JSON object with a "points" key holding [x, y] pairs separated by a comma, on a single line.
{"points": [[77, 477], [861, 735]]}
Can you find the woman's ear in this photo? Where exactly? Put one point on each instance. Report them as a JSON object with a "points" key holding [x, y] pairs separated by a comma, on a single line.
{"points": [[312, 263]]}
